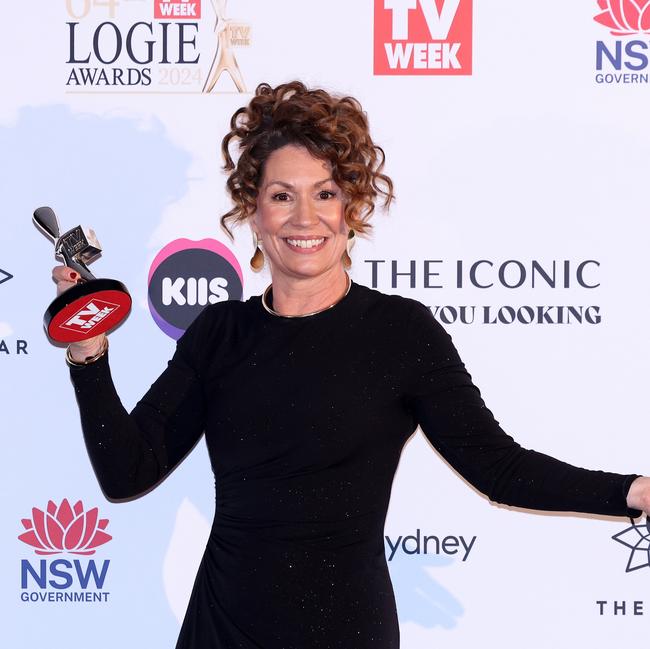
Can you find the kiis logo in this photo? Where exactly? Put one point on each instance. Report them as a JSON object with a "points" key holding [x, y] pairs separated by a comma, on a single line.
{"points": [[188, 275], [90, 315], [627, 59], [423, 37], [64, 529]]}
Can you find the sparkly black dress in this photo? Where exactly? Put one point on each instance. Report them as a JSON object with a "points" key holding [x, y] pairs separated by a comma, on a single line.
{"points": [[305, 419]]}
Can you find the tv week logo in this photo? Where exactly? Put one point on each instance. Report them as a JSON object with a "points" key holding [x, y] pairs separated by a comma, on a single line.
{"points": [[423, 37], [90, 315], [179, 9]]}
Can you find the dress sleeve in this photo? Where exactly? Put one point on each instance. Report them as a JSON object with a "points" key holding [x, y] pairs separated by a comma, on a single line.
{"points": [[131, 453], [453, 416]]}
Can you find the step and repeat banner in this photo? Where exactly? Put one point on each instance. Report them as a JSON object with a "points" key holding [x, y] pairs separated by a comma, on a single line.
{"points": [[517, 137]]}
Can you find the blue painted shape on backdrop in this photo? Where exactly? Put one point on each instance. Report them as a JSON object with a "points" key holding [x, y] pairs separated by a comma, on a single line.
{"points": [[420, 598]]}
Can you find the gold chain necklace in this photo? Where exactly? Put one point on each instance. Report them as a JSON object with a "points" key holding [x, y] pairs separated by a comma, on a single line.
{"points": [[303, 315]]}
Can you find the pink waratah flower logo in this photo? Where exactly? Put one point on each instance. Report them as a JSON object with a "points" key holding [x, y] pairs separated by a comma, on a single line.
{"points": [[65, 529], [625, 17]]}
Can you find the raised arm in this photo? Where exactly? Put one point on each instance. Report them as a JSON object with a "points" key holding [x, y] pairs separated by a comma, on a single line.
{"points": [[132, 452], [453, 416]]}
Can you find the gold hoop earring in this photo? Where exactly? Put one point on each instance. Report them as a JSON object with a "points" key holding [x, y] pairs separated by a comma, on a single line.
{"points": [[347, 260], [257, 260]]}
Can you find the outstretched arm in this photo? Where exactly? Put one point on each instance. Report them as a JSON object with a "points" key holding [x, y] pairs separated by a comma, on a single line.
{"points": [[453, 416]]}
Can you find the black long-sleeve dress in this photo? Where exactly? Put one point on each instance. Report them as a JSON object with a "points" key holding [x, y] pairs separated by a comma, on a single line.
{"points": [[305, 419]]}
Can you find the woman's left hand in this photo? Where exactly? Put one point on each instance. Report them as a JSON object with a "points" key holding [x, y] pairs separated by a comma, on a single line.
{"points": [[638, 496]]}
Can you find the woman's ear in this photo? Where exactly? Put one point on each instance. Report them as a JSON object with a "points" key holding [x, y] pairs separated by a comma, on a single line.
{"points": [[251, 224]]}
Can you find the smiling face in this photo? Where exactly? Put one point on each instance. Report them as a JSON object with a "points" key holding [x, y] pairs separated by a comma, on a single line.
{"points": [[300, 215]]}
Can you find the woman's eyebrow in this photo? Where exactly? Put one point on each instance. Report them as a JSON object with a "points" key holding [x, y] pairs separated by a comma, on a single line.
{"points": [[287, 185]]}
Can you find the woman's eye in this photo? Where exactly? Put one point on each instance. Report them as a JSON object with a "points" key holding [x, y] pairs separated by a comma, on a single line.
{"points": [[324, 195], [281, 196]]}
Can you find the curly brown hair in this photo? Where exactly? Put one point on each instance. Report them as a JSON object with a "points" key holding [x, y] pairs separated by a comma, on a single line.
{"points": [[331, 128]]}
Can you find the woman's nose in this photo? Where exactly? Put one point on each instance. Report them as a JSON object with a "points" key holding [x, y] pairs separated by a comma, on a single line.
{"points": [[306, 212]]}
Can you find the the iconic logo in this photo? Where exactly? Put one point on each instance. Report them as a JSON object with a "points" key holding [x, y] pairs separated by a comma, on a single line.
{"points": [[637, 539], [423, 37], [90, 315], [623, 61], [625, 17], [65, 529], [503, 277], [188, 275]]}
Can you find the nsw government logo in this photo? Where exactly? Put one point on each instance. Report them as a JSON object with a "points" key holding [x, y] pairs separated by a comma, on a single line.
{"points": [[186, 276], [623, 58], [68, 530], [423, 37]]}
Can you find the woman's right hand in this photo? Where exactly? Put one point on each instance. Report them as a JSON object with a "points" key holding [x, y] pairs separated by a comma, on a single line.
{"points": [[65, 278]]}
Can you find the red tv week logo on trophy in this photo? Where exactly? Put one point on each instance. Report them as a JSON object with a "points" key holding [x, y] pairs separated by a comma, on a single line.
{"points": [[65, 529], [423, 37], [178, 9], [90, 315]]}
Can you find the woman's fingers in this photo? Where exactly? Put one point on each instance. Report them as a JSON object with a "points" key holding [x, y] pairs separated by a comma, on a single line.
{"points": [[64, 277], [64, 274], [62, 287]]}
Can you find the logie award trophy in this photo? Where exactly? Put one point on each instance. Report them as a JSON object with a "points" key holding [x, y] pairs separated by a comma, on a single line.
{"points": [[92, 306]]}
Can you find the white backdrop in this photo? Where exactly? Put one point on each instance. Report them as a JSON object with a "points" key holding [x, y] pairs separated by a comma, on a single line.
{"points": [[528, 158]]}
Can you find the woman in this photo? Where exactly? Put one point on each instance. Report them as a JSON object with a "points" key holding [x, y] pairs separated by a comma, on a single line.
{"points": [[307, 395]]}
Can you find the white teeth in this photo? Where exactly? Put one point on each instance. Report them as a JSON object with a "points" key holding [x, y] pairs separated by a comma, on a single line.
{"points": [[306, 243]]}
